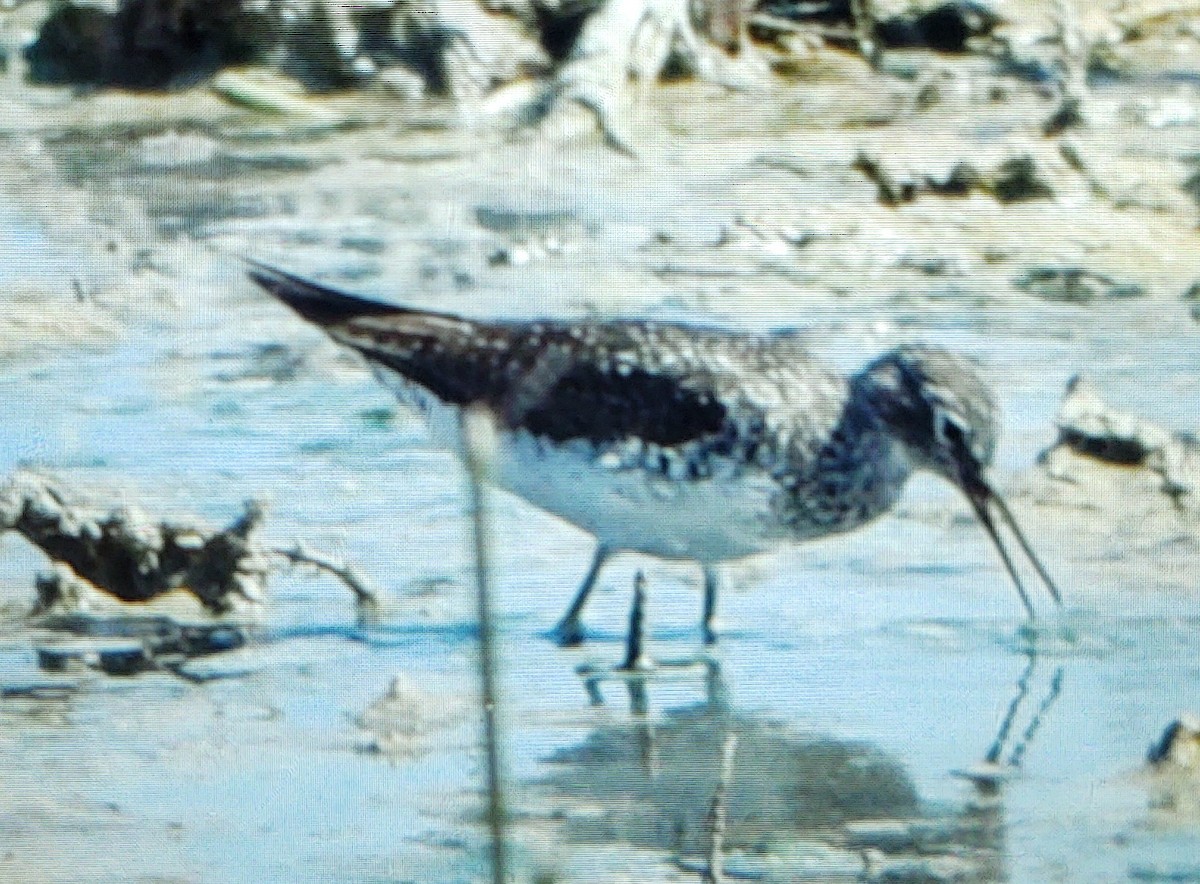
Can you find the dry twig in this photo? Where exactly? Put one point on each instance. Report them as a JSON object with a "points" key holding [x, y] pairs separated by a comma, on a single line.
{"points": [[300, 555]]}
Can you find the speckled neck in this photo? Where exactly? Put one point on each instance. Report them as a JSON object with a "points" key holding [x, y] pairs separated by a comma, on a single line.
{"points": [[858, 475]]}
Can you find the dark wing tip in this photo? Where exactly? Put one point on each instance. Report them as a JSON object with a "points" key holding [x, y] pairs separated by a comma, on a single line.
{"points": [[316, 303]]}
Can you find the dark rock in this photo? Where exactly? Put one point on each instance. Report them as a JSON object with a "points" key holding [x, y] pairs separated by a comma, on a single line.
{"points": [[1076, 285], [55, 659], [1068, 115], [1192, 296], [1191, 186], [1013, 180], [144, 44], [126, 661], [945, 28], [130, 645], [559, 28], [1090, 429], [1017, 179], [1179, 745]]}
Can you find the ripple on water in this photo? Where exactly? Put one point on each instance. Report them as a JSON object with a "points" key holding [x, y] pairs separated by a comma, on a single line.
{"points": [[1073, 633]]}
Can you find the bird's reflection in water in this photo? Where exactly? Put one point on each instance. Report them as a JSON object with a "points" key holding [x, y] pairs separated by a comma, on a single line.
{"points": [[799, 807], [995, 768]]}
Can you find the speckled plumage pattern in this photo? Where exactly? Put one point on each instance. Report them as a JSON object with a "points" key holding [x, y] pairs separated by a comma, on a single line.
{"points": [[675, 440]]}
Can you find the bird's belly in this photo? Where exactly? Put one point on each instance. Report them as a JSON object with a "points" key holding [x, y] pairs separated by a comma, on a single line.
{"points": [[727, 516], [629, 507]]}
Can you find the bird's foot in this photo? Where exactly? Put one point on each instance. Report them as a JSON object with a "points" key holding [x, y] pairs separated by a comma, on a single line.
{"points": [[642, 664], [568, 634]]}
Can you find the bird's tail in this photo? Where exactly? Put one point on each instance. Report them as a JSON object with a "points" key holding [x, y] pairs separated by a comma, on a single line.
{"points": [[437, 351], [317, 303]]}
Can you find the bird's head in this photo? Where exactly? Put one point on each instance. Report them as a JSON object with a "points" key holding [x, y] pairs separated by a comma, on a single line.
{"points": [[935, 403], [938, 407]]}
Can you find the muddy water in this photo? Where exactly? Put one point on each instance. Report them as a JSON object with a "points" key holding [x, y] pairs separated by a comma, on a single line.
{"points": [[863, 676]]}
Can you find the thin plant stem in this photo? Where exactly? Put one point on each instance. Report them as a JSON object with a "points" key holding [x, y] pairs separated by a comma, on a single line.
{"points": [[718, 813], [477, 433]]}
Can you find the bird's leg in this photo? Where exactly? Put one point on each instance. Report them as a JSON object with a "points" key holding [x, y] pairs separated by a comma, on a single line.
{"points": [[569, 630], [636, 658], [708, 618]]}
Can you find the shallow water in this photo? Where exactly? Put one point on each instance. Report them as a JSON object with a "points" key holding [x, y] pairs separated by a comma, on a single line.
{"points": [[896, 651]]}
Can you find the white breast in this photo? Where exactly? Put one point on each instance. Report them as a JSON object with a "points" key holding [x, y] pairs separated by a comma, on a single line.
{"points": [[627, 507]]}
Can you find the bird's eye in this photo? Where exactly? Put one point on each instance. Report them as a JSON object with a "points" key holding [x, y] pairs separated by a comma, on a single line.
{"points": [[950, 429]]}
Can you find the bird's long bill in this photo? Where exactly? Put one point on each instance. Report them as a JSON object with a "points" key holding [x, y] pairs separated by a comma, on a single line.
{"points": [[984, 500]]}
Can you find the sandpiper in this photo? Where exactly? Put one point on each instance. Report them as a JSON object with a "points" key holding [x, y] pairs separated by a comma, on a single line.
{"points": [[677, 441]]}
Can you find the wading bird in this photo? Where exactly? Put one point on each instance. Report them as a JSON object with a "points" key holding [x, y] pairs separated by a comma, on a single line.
{"points": [[677, 441]]}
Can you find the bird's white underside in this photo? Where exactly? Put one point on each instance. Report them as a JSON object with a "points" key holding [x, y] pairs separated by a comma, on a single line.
{"points": [[727, 516]]}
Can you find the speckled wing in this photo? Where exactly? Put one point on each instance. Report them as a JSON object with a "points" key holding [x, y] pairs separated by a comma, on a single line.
{"points": [[593, 381]]}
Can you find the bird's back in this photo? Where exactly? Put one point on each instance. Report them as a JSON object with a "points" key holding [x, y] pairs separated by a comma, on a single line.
{"points": [[675, 439]]}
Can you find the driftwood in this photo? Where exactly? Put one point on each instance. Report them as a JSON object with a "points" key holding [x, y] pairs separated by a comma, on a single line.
{"points": [[124, 554], [1179, 745], [1089, 427], [457, 47], [556, 53], [638, 41]]}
